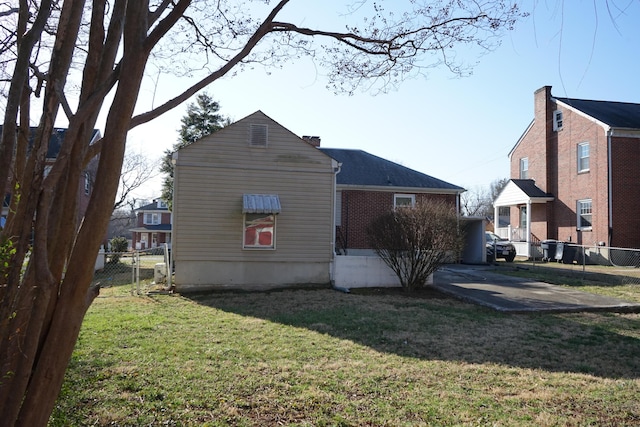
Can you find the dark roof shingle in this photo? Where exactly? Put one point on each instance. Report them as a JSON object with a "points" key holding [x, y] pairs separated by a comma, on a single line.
{"points": [[362, 168], [615, 114], [529, 187]]}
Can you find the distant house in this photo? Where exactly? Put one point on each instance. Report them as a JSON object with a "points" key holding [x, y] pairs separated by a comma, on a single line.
{"points": [[87, 178], [253, 208], [153, 226], [575, 174], [368, 186]]}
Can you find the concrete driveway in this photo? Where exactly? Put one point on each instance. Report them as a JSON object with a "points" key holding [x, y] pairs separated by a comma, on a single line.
{"points": [[482, 285]]}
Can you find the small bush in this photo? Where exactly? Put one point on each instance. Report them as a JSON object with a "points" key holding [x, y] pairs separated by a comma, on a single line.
{"points": [[414, 242], [118, 246]]}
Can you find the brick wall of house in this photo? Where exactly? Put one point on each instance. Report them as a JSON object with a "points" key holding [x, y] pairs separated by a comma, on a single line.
{"points": [[360, 208], [625, 155], [165, 218], [538, 146], [573, 185], [553, 164]]}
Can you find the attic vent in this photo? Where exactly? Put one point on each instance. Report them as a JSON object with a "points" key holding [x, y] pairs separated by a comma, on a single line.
{"points": [[258, 135]]}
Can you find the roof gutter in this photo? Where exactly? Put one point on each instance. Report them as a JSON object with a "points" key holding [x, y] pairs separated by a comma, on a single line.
{"points": [[393, 189], [609, 134]]}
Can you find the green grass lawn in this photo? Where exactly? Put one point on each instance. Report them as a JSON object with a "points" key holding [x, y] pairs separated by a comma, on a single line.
{"points": [[323, 358]]}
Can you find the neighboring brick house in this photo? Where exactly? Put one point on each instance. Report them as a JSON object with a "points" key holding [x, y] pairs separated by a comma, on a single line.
{"points": [[153, 226], [368, 186], [575, 173], [86, 180]]}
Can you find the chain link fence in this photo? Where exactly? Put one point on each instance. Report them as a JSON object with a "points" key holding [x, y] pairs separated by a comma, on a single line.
{"points": [[143, 270], [604, 264]]}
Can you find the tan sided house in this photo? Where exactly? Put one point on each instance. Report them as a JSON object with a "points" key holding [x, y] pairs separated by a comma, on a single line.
{"points": [[253, 208]]}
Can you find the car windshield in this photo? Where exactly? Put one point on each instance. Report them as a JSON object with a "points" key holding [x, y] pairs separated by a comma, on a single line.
{"points": [[494, 237]]}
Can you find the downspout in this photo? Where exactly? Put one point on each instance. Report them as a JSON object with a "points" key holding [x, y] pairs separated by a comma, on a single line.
{"points": [[529, 228], [336, 170], [174, 204], [609, 134]]}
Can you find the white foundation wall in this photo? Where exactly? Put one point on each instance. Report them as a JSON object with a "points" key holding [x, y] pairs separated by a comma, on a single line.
{"points": [[196, 276], [364, 272]]}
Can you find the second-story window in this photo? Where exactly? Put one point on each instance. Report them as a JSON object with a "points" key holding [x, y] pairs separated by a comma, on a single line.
{"points": [[524, 168], [557, 120], [583, 157], [152, 218]]}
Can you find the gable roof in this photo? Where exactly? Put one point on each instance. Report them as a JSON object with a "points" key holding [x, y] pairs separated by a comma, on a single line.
{"points": [[529, 187], [56, 139], [520, 191], [360, 168], [153, 206], [615, 114]]}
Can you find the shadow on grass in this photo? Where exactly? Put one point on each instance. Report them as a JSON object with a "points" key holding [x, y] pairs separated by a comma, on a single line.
{"points": [[575, 275], [430, 325]]}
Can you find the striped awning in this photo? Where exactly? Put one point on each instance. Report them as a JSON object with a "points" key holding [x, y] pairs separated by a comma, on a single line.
{"points": [[261, 203]]}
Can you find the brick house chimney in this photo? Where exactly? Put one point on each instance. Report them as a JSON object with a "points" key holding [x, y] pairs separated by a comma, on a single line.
{"points": [[542, 104], [313, 140]]}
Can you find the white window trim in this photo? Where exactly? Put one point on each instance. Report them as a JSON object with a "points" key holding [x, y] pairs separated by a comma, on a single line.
{"points": [[579, 216], [273, 235], [522, 175], [558, 120], [403, 196], [580, 145], [157, 216]]}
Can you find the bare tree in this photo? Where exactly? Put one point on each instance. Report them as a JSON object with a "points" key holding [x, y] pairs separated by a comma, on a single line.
{"points": [[478, 201], [414, 242], [475, 202], [137, 170], [67, 56]]}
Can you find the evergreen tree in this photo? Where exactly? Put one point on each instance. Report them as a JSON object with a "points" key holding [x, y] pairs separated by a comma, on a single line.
{"points": [[202, 119]]}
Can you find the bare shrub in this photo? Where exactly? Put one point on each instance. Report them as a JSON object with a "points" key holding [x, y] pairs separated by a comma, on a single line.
{"points": [[414, 242]]}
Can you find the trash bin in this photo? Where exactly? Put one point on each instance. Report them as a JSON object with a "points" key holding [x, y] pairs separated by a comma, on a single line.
{"points": [[559, 251], [568, 253], [548, 249]]}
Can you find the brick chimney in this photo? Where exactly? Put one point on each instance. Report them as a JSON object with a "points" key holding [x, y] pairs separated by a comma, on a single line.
{"points": [[313, 140], [543, 108]]}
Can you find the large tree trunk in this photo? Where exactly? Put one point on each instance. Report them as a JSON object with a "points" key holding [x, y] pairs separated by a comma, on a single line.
{"points": [[43, 324], [73, 300]]}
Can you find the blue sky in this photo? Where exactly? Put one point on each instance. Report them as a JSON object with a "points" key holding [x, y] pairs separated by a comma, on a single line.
{"points": [[456, 129]]}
